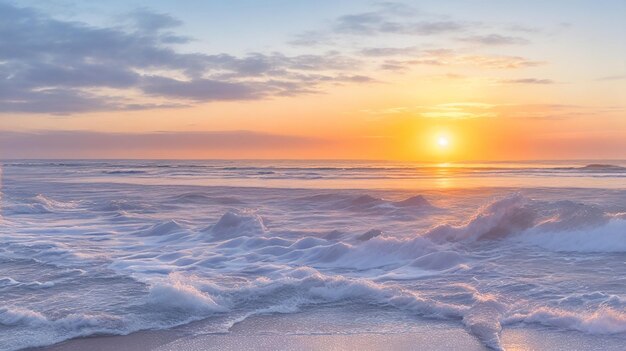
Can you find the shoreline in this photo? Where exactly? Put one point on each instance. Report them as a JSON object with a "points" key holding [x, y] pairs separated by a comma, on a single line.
{"points": [[262, 332]]}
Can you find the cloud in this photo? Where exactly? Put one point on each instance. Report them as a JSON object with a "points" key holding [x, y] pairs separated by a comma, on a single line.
{"points": [[76, 143], [470, 110], [374, 23], [527, 81], [522, 28], [558, 111], [388, 18], [391, 65], [388, 51], [149, 21], [447, 57], [202, 89], [494, 40], [310, 38], [61, 67], [613, 77], [520, 111], [459, 110]]}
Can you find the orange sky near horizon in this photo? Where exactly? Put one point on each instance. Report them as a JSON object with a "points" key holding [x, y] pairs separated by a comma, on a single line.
{"points": [[504, 89]]}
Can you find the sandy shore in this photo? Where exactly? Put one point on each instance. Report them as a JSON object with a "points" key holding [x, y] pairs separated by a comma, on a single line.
{"points": [[259, 333], [279, 332]]}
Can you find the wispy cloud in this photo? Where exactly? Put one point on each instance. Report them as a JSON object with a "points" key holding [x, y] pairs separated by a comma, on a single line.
{"points": [[468, 110], [613, 77], [374, 23], [388, 51], [448, 57], [386, 18], [458, 110], [527, 81], [494, 40]]}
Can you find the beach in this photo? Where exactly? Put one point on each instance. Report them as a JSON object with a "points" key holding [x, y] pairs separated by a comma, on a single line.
{"points": [[279, 332]]}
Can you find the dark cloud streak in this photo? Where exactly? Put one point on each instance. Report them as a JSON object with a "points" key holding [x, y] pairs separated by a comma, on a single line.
{"points": [[527, 81]]}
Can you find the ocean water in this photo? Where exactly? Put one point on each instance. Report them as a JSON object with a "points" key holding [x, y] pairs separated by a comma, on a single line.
{"points": [[112, 247]]}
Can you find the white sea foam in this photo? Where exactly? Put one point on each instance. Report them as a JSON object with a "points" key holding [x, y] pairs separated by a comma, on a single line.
{"points": [[176, 294], [234, 224], [438, 260], [30, 323], [156, 257], [601, 321], [20, 316], [605, 237]]}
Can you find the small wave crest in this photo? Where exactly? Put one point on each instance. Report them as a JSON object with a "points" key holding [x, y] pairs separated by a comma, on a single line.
{"points": [[598, 167], [50, 331], [176, 294], [234, 224], [127, 171], [40, 204], [601, 321], [365, 202]]}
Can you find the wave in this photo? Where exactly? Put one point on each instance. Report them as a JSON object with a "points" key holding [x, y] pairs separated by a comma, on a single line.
{"points": [[483, 319], [601, 321], [304, 284], [289, 290], [119, 205], [602, 167], [556, 226], [50, 331], [202, 198], [439, 260], [364, 202], [161, 229], [234, 224], [606, 237], [244, 263], [176, 294], [21, 316], [39, 204], [10, 282], [560, 226], [130, 171], [372, 233], [493, 221]]}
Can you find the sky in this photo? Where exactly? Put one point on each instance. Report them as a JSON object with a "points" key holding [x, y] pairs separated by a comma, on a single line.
{"points": [[431, 81]]}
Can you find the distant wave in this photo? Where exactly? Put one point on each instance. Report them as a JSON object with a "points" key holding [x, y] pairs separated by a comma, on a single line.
{"points": [[203, 198], [39, 204], [602, 167], [365, 202], [124, 172]]}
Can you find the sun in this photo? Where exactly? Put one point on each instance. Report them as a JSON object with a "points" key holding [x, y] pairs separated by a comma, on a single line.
{"points": [[443, 141]]}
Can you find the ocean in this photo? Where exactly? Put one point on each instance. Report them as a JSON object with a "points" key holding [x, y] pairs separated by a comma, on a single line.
{"points": [[108, 247]]}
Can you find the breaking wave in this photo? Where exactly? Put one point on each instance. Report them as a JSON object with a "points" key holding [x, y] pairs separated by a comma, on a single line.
{"points": [[561, 226]]}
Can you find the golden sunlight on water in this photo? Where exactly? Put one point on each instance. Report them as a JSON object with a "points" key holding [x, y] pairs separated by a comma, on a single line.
{"points": [[1, 192]]}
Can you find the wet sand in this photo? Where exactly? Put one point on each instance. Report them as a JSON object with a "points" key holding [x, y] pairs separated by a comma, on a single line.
{"points": [[264, 333]]}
